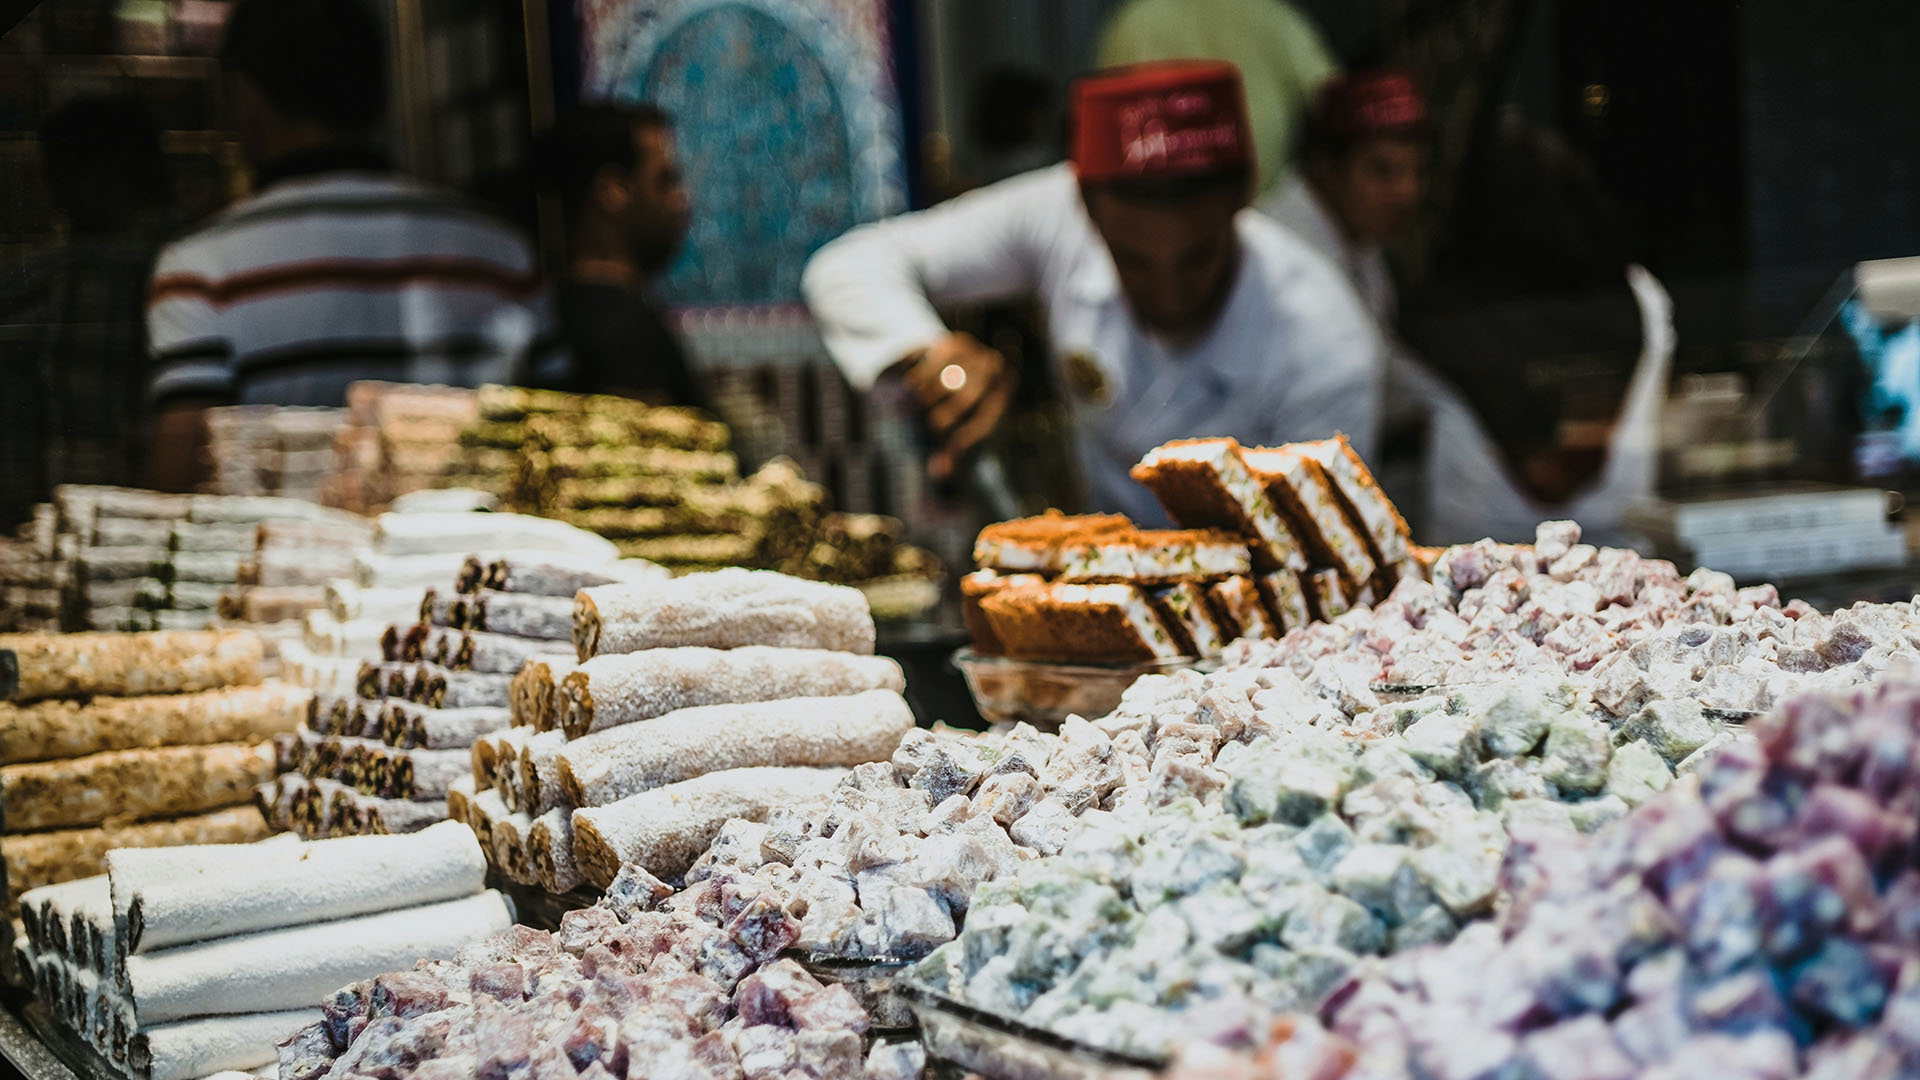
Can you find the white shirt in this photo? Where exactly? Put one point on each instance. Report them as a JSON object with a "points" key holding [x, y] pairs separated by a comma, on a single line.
{"points": [[1295, 205], [1293, 355], [325, 279], [1470, 493]]}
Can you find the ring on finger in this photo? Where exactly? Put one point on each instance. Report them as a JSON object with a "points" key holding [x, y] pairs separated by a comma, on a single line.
{"points": [[953, 377]]}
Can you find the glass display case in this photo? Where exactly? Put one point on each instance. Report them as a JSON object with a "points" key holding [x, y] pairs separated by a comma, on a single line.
{"points": [[1795, 459]]}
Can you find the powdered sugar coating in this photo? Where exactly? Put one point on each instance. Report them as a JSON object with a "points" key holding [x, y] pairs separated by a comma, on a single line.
{"points": [[686, 986], [508, 836], [1755, 925], [478, 650], [332, 879], [1634, 629], [190, 1048], [407, 725]]}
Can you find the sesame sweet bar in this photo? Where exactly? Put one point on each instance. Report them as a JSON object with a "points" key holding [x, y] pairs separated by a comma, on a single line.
{"points": [[1184, 610], [1205, 483], [1300, 486], [1097, 623]]}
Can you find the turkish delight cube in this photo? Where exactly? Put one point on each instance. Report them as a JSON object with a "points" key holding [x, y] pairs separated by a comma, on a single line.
{"points": [[1637, 772], [1445, 743], [1673, 727]]}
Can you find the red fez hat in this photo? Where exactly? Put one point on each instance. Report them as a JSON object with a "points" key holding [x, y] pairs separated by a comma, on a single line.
{"points": [[1164, 119], [1367, 103]]}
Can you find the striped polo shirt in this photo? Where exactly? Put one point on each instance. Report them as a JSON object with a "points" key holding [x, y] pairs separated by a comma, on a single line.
{"points": [[326, 278]]}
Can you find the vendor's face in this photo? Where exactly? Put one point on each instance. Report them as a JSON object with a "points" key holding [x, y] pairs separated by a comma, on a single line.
{"points": [[660, 210], [1375, 188], [1176, 261]]}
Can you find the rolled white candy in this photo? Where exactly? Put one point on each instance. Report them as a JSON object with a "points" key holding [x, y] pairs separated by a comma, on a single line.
{"points": [[666, 829], [213, 1044], [610, 765], [724, 609], [608, 691], [282, 969], [335, 879]]}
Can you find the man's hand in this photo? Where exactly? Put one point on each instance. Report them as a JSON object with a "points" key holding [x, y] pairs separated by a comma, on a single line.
{"points": [[964, 388]]}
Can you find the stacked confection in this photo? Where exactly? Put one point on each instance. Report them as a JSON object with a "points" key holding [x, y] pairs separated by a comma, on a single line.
{"points": [[1097, 588], [1265, 850], [686, 703], [325, 596], [694, 981], [221, 547], [399, 439], [270, 450], [499, 792], [339, 623], [662, 485], [1757, 924], [622, 469], [93, 550], [659, 482], [378, 753], [359, 609], [32, 578], [179, 963], [1320, 529], [112, 538], [103, 558], [283, 566], [1272, 539], [131, 740]]}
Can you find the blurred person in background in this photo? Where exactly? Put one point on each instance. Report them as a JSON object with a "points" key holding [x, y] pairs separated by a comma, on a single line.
{"points": [[627, 210], [1363, 179], [1277, 48], [1172, 310], [1535, 276], [336, 269], [72, 333]]}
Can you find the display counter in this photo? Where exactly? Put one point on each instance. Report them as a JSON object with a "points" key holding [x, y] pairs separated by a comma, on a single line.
{"points": [[707, 817]]}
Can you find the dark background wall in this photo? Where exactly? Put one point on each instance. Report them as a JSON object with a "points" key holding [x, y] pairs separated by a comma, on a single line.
{"points": [[1758, 147], [1832, 130]]}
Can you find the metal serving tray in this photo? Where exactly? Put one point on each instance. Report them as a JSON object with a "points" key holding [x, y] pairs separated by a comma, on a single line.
{"points": [[1397, 692], [977, 1041], [874, 981]]}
